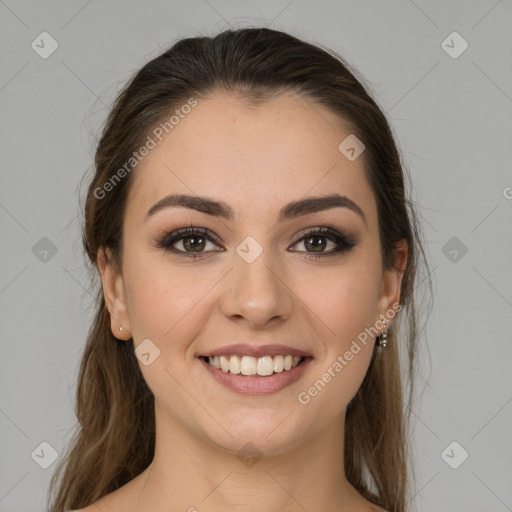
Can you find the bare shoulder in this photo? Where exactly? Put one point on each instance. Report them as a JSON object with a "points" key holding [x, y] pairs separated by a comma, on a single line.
{"points": [[89, 508], [120, 500], [95, 507], [108, 503], [376, 508]]}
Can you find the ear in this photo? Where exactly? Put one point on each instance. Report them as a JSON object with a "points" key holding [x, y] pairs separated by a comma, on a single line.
{"points": [[115, 298], [392, 281]]}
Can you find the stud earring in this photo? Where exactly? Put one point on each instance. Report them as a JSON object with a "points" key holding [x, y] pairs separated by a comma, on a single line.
{"points": [[120, 328], [382, 338]]}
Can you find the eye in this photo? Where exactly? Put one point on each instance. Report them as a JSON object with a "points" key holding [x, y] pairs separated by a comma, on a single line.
{"points": [[194, 242], [319, 245], [189, 242]]}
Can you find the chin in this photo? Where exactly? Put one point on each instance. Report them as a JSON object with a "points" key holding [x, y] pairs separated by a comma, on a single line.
{"points": [[259, 432]]}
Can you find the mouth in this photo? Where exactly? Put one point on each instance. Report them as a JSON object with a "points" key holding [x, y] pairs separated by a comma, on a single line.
{"points": [[248, 375], [255, 366]]}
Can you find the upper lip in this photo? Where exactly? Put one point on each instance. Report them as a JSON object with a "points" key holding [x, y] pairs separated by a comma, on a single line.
{"points": [[241, 349]]}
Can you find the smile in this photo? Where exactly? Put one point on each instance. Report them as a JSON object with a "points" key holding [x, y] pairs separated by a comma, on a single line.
{"points": [[248, 365], [249, 375]]}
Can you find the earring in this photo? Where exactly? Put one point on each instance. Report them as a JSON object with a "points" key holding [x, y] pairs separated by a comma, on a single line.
{"points": [[115, 313], [382, 338]]}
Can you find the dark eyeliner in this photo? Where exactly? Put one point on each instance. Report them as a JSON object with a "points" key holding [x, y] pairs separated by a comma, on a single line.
{"points": [[344, 242], [166, 241]]}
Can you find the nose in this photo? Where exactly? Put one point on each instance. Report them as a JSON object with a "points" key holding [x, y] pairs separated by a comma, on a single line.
{"points": [[257, 292]]}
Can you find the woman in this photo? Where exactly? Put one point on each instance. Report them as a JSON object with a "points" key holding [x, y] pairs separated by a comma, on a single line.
{"points": [[249, 221]]}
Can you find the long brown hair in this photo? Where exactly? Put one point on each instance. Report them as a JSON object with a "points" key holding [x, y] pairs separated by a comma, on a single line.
{"points": [[115, 439]]}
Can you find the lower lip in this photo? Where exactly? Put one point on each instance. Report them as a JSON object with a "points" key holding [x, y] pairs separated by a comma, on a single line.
{"points": [[246, 385]]}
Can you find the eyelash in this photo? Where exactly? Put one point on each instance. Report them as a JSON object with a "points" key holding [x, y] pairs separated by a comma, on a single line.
{"points": [[344, 242]]}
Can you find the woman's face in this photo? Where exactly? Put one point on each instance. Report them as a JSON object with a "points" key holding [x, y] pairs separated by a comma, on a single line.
{"points": [[254, 277]]}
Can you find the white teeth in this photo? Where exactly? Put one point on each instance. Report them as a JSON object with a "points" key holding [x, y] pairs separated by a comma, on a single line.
{"points": [[247, 365], [278, 364], [234, 364], [224, 364], [265, 366]]}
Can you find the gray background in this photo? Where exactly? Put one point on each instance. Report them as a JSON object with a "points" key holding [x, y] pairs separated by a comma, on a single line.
{"points": [[453, 120]]}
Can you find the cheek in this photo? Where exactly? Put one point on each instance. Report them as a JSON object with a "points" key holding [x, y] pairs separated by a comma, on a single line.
{"points": [[343, 306], [167, 305], [343, 299], [344, 311], [164, 299]]}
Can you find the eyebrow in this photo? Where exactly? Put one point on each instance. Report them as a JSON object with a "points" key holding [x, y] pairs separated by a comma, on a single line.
{"points": [[290, 211]]}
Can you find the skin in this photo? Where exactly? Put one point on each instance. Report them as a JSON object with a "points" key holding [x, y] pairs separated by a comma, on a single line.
{"points": [[256, 159]]}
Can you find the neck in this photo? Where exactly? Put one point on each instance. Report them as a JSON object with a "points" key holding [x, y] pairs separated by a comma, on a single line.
{"points": [[190, 473]]}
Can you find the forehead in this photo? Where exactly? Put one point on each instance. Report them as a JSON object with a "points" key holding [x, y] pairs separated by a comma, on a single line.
{"points": [[253, 157]]}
